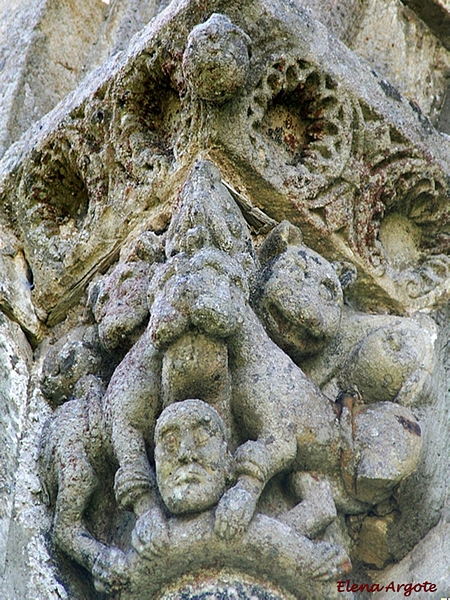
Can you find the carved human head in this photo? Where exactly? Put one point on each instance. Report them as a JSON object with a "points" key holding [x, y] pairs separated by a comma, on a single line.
{"points": [[191, 456], [216, 59], [298, 295]]}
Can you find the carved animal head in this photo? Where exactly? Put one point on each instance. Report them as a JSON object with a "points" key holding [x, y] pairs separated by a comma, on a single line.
{"points": [[205, 291], [73, 357], [119, 300], [392, 363], [206, 215], [119, 305], [297, 295]]}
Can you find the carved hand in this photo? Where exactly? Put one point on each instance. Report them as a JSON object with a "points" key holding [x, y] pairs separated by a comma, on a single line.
{"points": [[150, 535], [110, 570], [234, 512]]}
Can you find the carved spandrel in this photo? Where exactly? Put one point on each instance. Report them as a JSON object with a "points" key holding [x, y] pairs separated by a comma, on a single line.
{"points": [[202, 333]]}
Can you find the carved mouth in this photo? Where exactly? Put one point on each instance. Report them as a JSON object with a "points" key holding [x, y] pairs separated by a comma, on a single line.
{"points": [[277, 317], [189, 474], [288, 328], [297, 337]]}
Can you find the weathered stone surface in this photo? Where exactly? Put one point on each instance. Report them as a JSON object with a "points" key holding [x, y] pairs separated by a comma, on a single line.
{"points": [[372, 548], [223, 586], [47, 48], [30, 570], [407, 45], [226, 237], [416, 62], [436, 14], [212, 471], [46, 64], [16, 286], [15, 362], [427, 562]]}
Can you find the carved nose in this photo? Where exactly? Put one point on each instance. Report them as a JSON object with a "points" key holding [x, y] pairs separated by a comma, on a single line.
{"points": [[186, 449]]}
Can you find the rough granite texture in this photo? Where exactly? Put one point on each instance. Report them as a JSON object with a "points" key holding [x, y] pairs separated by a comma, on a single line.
{"points": [[224, 260], [407, 43]]}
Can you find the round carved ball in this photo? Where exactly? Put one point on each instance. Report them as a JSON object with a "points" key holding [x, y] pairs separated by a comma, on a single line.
{"points": [[216, 59]]}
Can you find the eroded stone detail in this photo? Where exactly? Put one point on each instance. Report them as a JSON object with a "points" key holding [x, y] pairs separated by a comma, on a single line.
{"points": [[216, 60], [339, 161], [197, 313], [225, 418]]}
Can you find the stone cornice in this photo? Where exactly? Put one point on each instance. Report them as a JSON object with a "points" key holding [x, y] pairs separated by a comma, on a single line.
{"points": [[115, 151]]}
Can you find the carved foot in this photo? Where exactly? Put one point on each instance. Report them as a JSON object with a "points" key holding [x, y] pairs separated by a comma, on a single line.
{"points": [[150, 535], [234, 513], [316, 510], [110, 570], [329, 562]]}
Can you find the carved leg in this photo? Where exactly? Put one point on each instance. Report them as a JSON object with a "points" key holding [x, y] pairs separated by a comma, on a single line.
{"points": [[263, 377], [132, 404], [316, 510], [77, 483]]}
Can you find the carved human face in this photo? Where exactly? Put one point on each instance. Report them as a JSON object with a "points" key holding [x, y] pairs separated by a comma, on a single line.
{"points": [[191, 457]]}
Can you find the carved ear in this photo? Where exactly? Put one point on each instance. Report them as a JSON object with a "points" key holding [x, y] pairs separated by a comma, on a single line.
{"points": [[283, 235], [148, 247], [346, 273]]}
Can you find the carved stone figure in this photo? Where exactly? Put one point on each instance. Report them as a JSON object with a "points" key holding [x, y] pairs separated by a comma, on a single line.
{"points": [[194, 468], [72, 357], [216, 60], [259, 415], [299, 299], [74, 466], [201, 296], [217, 249]]}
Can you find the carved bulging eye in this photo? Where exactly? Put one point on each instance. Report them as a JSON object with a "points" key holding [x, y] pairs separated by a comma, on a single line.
{"points": [[171, 442], [202, 435], [328, 290]]}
